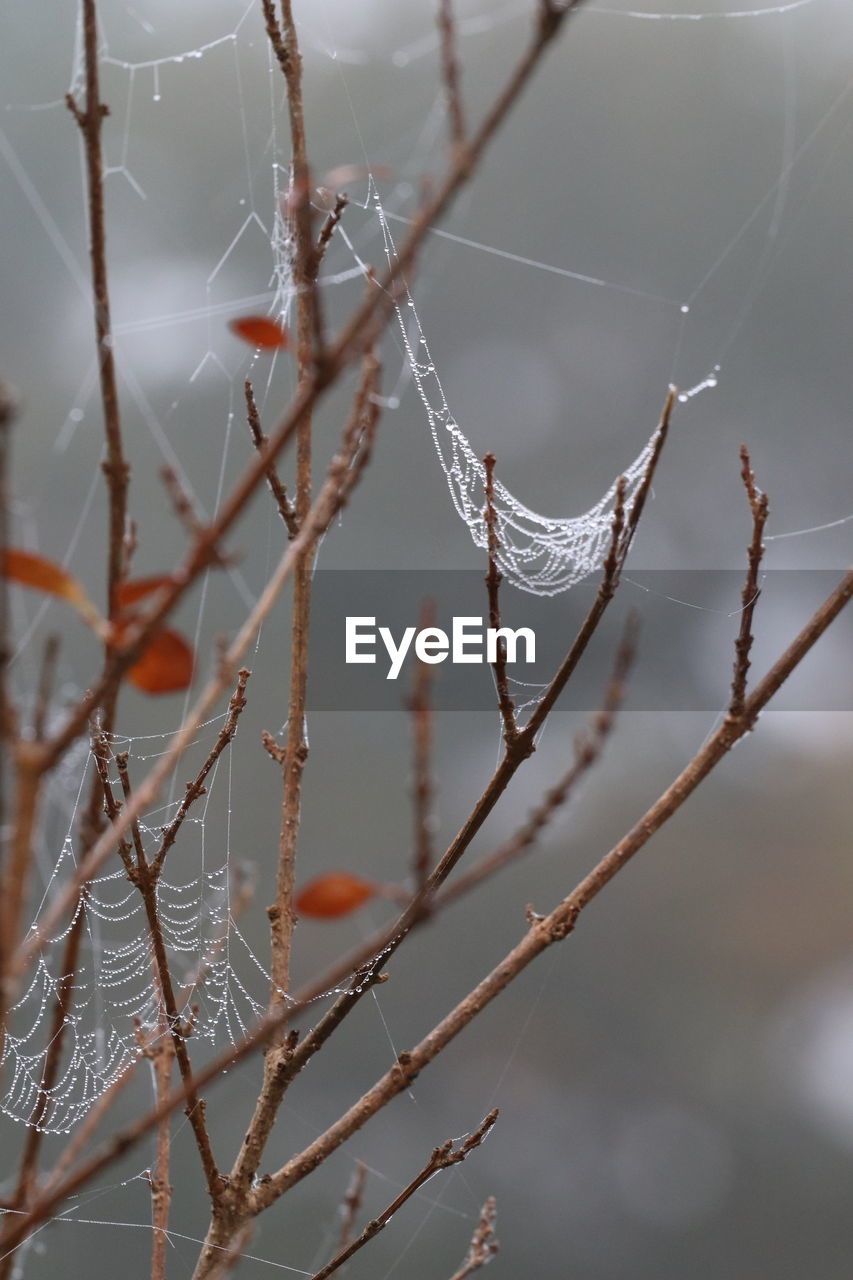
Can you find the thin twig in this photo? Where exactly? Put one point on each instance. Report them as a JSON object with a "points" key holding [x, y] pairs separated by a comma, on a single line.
{"points": [[328, 228], [751, 591], [450, 75], [351, 1204], [483, 1246], [420, 706], [277, 489], [161, 1053], [196, 789], [8, 730], [188, 517], [90, 120], [494, 577], [343, 474], [587, 750], [44, 692], [443, 1157]]}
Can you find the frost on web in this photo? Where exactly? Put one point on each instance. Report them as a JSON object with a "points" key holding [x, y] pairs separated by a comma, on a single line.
{"points": [[116, 1006], [539, 554]]}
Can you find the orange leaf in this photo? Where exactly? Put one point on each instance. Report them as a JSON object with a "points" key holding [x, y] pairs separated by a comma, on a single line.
{"points": [[28, 569], [136, 588], [334, 894], [166, 664], [260, 331]]}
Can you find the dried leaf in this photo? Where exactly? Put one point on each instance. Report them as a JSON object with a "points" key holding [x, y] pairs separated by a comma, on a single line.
{"points": [[334, 894], [28, 569], [137, 588], [260, 331], [166, 663]]}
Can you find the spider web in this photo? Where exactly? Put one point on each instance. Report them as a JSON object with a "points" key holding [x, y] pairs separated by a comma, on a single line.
{"points": [[116, 1007]]}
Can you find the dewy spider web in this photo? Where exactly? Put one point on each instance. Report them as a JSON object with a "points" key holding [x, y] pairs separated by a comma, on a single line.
{"points": [[116, 1007], [538, 554]]}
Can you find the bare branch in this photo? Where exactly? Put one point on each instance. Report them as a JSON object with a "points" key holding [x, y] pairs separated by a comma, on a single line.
{"points": [[751, 591], [443, 1157], [351, 1205], [328, 228], [494, 578], [90, 121], [484, 1246], [196, 789], [277, 489], [450, 75], [420, 706]]}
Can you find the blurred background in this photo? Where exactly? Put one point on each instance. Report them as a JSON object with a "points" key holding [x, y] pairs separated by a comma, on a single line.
{"points": [[670, 202]]}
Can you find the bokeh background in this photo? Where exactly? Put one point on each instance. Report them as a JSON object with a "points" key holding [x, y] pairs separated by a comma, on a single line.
{"points": [[676, 1080]]}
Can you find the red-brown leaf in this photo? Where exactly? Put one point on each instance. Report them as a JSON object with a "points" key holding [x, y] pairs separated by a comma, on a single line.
{"points": [[28, 569], [166, 664], [334, 894], [260, 331]]}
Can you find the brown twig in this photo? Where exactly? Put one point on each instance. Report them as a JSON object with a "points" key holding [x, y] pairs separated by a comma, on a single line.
{"points": [[117, 473], [450, 75], [587, 750], [44, 692], [161, 1053], [309, 356], [494, 577], [90, 120], [351, 1204], [277, 489], [443, 1157], [196, 789], [327, 230], [751, 591], [483, 1246], [231, 1211], [420, 706], [8, 731]]}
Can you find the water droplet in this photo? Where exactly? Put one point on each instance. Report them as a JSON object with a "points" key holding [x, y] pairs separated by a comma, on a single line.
{"points": [[685, 310]]}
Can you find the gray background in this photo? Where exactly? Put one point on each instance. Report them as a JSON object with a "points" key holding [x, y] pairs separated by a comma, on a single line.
{"points": [[675, 1081]]}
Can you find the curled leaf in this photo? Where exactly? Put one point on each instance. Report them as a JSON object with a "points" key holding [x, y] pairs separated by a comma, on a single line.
{"points": [[260, 331], [166, 663], [28, 569], [336, 893]]}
